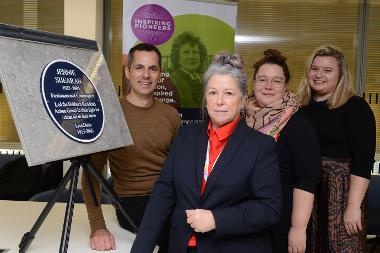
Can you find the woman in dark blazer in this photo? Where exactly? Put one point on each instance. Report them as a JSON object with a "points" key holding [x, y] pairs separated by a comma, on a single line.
{"points": [[220, 184]]}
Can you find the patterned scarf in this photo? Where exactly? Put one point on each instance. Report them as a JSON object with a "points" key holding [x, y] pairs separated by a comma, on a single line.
{"points": [[271, 119]]}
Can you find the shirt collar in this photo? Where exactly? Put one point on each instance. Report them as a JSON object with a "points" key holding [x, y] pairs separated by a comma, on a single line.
{"points": [[225, 131]]}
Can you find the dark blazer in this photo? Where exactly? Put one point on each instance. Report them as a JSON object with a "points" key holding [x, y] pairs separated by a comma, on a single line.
{"points": [[243, 192]]}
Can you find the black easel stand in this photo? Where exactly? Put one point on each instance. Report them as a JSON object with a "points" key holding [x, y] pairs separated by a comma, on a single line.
{"points": [[72, 175]]}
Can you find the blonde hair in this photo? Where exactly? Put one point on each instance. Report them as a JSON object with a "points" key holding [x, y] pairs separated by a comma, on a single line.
{"points": [[343, 90]]}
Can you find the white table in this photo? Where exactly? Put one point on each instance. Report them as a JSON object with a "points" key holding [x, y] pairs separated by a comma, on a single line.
{"points": [[18, 217]]}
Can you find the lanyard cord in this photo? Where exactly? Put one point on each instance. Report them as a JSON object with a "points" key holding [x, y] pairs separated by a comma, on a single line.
{"points": [[205, 168]]}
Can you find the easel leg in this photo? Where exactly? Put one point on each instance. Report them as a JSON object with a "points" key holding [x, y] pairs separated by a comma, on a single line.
{"points": [[90, 187], [69, 211], [29, 236]]}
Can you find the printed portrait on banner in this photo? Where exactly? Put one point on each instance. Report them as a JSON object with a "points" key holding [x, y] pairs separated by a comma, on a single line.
{"points": [[188, 34]]}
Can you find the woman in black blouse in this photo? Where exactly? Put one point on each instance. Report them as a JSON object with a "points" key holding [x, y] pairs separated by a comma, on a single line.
{"points": [[346, 129], [272, 109]]}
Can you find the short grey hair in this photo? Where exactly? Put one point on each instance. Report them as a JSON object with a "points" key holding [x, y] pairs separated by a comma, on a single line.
{"points": [[226, 64]]}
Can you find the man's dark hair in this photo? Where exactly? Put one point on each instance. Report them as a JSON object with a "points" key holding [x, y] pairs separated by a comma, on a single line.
{"points": [[143, 47]]}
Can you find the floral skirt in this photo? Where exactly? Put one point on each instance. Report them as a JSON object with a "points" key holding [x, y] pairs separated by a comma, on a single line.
{"points": [[328, 232]]}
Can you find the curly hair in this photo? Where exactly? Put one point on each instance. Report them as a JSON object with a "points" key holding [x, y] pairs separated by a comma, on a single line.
{"points": [[188, 38]]}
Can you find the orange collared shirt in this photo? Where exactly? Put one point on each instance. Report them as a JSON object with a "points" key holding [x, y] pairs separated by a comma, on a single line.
{"points": [[217, 140]]}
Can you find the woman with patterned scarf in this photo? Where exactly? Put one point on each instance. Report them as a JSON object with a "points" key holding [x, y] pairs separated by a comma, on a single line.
{"points": [[272, 110]]}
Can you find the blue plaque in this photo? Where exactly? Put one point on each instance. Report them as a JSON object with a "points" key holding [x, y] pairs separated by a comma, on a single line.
{"points": [[72, 101]]}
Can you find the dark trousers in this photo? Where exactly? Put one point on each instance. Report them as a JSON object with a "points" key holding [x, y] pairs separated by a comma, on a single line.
{"points": [[135, 207]]}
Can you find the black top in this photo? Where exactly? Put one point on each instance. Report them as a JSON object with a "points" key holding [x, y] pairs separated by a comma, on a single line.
{"points": [[300, 167], [348, 131], [299, 155]]}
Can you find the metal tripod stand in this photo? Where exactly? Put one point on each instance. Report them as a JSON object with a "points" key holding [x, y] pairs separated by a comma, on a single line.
{"points": [[72, 175]]}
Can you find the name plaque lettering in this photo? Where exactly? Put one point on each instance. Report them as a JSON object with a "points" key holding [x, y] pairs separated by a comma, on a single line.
{"points": [[72, 101]]}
